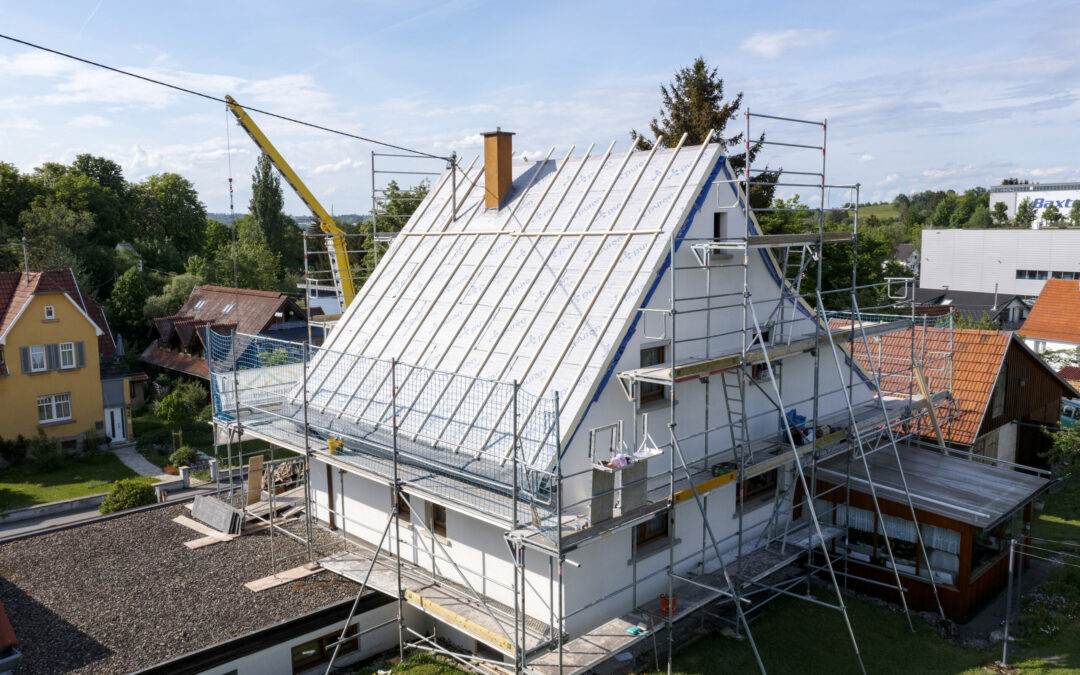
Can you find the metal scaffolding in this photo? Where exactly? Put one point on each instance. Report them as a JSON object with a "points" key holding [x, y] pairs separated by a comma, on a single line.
{"points": [[504, 462]]}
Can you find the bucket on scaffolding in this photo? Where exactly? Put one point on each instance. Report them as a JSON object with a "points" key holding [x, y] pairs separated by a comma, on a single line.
{"points": [[667, 605]]}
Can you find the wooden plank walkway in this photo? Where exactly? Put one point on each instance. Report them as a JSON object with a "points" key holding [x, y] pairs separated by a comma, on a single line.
{"points": [[440, 600]]}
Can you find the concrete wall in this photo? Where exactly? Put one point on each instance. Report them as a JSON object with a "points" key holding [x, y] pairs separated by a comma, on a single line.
{"points": [[977, 260]]}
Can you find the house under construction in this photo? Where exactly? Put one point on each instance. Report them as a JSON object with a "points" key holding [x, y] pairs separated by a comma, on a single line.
{"points": [[583, 398]]}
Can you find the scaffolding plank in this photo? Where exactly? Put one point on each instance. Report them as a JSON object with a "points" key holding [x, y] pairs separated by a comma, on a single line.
{"points": [[281, 578], [705, 486], [435, 599]]}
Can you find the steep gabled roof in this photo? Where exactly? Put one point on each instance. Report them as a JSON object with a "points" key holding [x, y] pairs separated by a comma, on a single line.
{"points": [[541, 290], [251, 310], [1056, 314], [18, 288], [970, 304]]}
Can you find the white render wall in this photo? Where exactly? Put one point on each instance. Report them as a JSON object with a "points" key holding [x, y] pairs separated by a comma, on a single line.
{"points": [[979, 260]]}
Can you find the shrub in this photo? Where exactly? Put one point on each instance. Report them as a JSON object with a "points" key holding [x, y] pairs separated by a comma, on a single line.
{"points": [[182, 404], [128, 493], [47, 452], [14, 450], [183, 456]]}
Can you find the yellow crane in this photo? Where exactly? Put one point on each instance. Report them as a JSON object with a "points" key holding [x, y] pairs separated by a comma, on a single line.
{"points": [[336, 243]]}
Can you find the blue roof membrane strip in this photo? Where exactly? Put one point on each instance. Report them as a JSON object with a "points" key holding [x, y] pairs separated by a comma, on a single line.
{"points": [[648, 296]]}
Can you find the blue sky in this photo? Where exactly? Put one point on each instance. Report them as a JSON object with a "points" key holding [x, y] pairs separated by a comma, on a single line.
{"points": [[923, 95]]}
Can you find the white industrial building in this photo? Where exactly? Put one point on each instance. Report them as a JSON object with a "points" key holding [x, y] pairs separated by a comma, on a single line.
{"points": [[1042, 195], [1005, 261], [581, 385]]}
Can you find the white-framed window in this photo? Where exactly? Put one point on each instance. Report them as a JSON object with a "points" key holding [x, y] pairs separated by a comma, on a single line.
{"points": [[67, 354], [228, 308], [54, 408], [199, 304], [37, 359], [50, 312]]}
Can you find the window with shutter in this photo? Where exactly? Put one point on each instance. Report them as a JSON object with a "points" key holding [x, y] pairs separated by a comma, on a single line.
{"points": [[24, 359], [67, 355], [80, 354], [37, 359]]}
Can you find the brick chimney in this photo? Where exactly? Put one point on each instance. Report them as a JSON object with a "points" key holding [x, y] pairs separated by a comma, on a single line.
{"points": [[498, 154]]}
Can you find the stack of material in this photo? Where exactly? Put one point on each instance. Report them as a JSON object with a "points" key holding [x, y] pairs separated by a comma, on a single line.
{"points": [[217, 514]]}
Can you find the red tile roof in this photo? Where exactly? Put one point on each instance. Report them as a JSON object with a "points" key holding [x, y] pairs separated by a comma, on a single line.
{"points": [[976, 360], [174, 360], [1056, 314], [1070, 372], [17, 288]]}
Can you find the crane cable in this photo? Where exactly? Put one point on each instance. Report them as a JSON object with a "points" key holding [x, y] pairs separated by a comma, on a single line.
{"points": [[218, 99]]}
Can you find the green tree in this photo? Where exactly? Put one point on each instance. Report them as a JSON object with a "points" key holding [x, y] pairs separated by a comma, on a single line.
{"points": [[172, 296], [267, 204], [1074, 213], [1064, 457], [944, 210], [53, 233], [168, 209], [693, 104], [215, 235], [1000, 215], [1052, 215], [980, 218], [1025, 214], [125, 305], [16, 193], [984, 322]]}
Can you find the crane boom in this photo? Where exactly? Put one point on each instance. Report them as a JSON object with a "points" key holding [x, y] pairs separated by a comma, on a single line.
{"points": [[339, 257]]}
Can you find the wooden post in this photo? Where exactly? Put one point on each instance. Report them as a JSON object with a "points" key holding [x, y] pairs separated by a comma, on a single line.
{"points": [[925, 391]]}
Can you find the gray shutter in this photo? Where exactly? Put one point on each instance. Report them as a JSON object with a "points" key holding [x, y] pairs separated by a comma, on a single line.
{"points": [[80, 354], [24, 357], [52, 356]]}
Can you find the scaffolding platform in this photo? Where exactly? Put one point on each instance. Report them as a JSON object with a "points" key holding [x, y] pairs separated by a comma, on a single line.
{"points": [[441, 599], [697, 368], [584, 653]]}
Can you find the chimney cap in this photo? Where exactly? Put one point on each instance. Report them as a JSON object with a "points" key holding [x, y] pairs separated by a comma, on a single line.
{"points": [[498, 132]]}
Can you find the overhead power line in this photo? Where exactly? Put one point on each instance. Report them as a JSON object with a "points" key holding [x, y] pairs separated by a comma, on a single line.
{"points": [[218, 99]]}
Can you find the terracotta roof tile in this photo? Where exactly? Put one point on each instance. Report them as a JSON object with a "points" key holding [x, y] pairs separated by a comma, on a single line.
{"points": [[976, 359], [1056, 314], [1070, 372], [173, 360]]}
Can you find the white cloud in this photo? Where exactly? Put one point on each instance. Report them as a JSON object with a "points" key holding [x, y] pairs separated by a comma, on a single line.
{"points": [[347, 163], [90, 122], [773, 44], [947, 173], [866, 158], [891, 178]]}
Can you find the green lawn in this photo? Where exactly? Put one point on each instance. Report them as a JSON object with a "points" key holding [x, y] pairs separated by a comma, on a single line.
{"points": [[149, 431], [1059, 521], [794, 636], [25, 485], [881, 211]]}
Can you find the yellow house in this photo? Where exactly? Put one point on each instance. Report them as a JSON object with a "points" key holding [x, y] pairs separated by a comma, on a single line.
{"points": [[53, 344]]}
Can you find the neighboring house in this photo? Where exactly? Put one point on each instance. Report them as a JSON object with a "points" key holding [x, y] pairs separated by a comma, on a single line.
{"points": [[908, 256], [59, 371], [289, 630], [1071, 374], [1008, 310], [1054, 322], [179, 341], [1002, 393], [523, 368]]}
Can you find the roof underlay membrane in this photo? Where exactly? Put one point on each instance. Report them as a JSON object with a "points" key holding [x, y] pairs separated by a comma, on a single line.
{"points": [[539, 291]]}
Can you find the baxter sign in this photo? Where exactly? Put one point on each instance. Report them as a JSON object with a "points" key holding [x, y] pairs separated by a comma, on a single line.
{"points": [[1041, 203]]}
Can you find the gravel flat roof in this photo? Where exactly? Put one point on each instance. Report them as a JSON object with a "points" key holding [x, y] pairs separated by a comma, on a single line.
{"points": [[123, 594]]}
